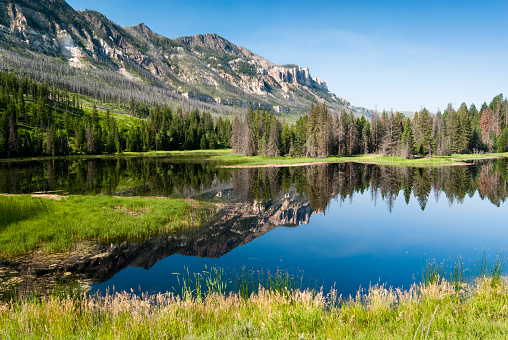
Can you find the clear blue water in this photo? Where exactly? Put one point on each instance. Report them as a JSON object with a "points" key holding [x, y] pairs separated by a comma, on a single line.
{"points": [[342, 225], [354, 243]]}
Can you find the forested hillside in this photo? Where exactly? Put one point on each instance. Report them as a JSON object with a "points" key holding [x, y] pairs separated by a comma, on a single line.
{"points": [[38, 119]]}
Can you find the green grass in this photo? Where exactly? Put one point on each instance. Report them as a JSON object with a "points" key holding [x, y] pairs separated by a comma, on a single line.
{"points": [[433, 311], [30, 223], [479, 156], [458, 274], [239, 160], [199, 154], [279, 308], [225, 157]]}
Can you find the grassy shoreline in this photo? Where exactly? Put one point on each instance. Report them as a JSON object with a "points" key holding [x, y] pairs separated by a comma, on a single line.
{"points": [[176, 154], [230, 160], [436, 310], [32, 223], [225, 158]]}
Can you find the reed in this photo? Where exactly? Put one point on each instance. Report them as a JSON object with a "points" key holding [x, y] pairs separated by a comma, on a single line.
{"points": [[458, 273], [244, 283]]}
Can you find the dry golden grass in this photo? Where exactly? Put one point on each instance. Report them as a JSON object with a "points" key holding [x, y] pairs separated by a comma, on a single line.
{"points": [[433, 311]]}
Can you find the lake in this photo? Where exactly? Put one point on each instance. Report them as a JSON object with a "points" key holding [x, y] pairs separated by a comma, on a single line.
{"points": [[345, 225]]}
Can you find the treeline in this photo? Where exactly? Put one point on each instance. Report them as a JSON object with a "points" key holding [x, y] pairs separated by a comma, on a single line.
{"points": [[320, 134], [261, 133], [37, 119]]}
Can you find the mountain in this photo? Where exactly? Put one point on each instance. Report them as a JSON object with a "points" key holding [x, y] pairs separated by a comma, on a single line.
{"points": [[84, 52]]}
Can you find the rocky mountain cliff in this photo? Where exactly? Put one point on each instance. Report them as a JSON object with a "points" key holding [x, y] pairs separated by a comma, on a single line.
{"points": [[202, 68]]}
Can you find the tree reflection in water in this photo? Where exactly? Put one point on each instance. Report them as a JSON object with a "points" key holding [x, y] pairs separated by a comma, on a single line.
{"points": [[167, 177]]}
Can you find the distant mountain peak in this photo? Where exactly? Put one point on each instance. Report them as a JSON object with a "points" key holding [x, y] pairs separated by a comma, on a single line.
{"points": [[143, 28], [210, 40]]}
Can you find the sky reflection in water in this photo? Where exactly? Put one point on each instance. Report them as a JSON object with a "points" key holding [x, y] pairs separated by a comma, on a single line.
{"points": [[354, 243]]}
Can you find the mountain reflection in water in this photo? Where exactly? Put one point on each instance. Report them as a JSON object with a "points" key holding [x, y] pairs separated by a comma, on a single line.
{"points": [[252, 202]]}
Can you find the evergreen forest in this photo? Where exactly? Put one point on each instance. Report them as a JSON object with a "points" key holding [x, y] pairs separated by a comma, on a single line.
{"points": [[37, 118], [320, 134]]}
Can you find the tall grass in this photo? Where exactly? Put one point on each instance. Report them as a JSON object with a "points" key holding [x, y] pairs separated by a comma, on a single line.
{"points": [[208, 306], [199, 285], [245, 283], [458, 273], [18, 208], [29, 223], [432, 311]]}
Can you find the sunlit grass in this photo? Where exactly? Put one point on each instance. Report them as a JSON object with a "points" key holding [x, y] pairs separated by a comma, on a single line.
{"points": [[239, 160], [279, 308], [426, 311], [200, 154], [225, 157], [30, 223]]}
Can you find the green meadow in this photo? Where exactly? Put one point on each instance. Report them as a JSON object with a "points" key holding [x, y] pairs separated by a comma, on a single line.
{"points": [[55, 223]]}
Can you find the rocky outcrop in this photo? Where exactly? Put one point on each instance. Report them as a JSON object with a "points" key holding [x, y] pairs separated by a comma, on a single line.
{"points": [[209, 41], [297, 75]]}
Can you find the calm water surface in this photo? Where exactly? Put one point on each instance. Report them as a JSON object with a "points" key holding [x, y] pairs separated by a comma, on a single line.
{"points": [[343, 225]]}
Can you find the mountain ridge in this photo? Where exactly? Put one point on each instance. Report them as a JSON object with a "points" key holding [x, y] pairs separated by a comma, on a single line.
{"points": [[204, 68]]}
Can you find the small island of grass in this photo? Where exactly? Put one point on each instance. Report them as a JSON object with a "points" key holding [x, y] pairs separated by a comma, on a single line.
{"points": [[229, 160]]}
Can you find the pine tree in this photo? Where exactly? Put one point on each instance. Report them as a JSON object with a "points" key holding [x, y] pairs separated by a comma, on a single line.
{"points": [[325, 124], [300, 139], [236, 135], [366, 138], [203, 145], [342, 134], [391, 144], [247, 141], [286, 138], [313, 132], [352, 136], [442, 147], [502, 143], [407, 140], [426, 142], [50, 141], [272, 147], [13, 145], [465, 130], [376, 132]]}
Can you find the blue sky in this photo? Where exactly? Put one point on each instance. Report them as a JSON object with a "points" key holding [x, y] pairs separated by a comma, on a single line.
{"points": [[400, 55]]}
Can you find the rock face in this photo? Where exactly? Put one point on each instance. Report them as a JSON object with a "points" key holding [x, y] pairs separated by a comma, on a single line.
{"points": [[210, 41], [297, 75], [205, 67]]}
